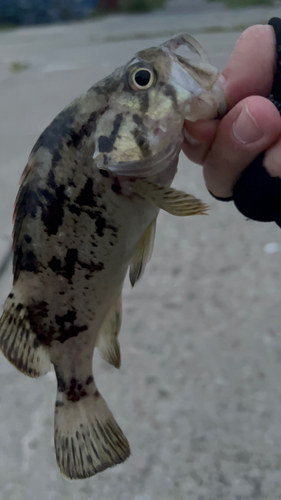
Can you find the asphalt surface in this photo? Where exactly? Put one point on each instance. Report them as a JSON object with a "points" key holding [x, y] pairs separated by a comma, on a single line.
{"points": [[198, 394]]}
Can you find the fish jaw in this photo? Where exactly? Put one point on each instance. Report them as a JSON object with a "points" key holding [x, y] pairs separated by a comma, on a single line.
{"points": [[198, 85]]}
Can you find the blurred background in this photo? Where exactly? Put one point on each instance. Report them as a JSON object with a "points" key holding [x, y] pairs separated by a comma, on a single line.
{"points": [[198, 394], [28, 12]]}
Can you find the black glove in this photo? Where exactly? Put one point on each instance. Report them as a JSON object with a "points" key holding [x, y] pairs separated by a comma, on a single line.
{"points": [[256, 194]]}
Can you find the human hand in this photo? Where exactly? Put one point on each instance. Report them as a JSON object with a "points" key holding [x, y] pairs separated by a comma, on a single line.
{"points": [[252, 125]]}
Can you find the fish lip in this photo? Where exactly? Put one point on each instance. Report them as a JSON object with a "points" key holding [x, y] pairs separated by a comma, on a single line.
{"points": [[185, 39], [193, 77]]}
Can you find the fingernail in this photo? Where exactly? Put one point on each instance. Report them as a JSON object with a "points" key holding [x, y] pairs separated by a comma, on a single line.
{"points": [[246, 129], [189, 139], [271, 161]]}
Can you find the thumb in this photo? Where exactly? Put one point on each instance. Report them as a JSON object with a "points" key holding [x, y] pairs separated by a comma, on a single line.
{"points": [[250, 128]]}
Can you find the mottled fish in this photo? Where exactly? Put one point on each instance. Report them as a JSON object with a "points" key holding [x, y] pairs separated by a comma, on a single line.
{"points": [[85, 213]]}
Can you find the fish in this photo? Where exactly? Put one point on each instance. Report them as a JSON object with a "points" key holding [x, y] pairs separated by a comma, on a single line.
{"points": [[84, 216]]}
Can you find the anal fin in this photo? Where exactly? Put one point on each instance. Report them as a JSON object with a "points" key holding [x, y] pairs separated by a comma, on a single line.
{"points": [[171, 200], [143, 253], [88, 440], [108, 343], [17, 341]]}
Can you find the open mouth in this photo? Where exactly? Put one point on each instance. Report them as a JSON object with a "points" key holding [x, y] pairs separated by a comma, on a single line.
{"points": [[197, 80], [186, 71], [190, 43]]}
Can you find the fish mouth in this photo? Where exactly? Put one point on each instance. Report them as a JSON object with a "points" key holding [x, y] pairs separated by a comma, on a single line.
{"points": [[187, 40], [202, 72], [195, 80]]}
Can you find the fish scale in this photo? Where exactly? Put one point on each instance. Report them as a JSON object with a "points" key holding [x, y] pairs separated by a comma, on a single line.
{"points": [[85, 213]]}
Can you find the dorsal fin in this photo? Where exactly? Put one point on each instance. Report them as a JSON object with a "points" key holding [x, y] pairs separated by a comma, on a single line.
{"points": [[143, 253], [108, 343]]}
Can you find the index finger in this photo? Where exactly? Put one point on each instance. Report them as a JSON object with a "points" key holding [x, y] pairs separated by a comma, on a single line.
{"points": [[250, 71], [252, 65]]}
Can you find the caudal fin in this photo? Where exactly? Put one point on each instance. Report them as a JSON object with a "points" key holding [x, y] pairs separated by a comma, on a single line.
{"points": [[17, 341], [87, 437]]}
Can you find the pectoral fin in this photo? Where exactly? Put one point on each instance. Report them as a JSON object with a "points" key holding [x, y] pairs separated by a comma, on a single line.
{"points": [[142, 254], [169, 199], [108, 343]]}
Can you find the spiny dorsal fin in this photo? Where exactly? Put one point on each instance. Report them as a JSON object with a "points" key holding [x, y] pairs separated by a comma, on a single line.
{"points": [[169, 199], [143, 253], [108, 343], [88, 439], [17, 341]]}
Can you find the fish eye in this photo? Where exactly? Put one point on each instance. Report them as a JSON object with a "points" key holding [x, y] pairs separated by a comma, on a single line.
{"points": [[142, 78]]}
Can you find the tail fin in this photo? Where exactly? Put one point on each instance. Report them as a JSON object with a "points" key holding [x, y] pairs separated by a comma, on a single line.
{"points": [[18, 343], [87, 437]]}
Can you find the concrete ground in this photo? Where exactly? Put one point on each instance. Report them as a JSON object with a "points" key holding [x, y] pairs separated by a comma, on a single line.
{"points": [[198, 393]]}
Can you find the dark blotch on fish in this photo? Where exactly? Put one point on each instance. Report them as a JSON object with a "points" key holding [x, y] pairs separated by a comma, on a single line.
{"points": [[137, 119], [89, 380], [104, 173], [116, 188], [144, 102], [170, 92], [86, 195], [27, 204], [55, 264], [70, 260], [41, 309], [100, 225], [108, 86], [37, 314], [87, 129], [61, 127], [53, 211], [69, 317], [67, 329], [24, 261], [106, 144], [75, 391], [74, 209], [51, 181], [27, 238], [68, 269], [142, 142], [92, 268], [75, 140]]}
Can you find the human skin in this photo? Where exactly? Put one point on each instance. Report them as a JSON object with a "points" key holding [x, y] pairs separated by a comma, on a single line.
{"points": [[226, 147]]}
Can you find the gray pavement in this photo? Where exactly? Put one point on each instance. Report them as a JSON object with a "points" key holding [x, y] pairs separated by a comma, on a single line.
{"points": [[198, 393]]}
